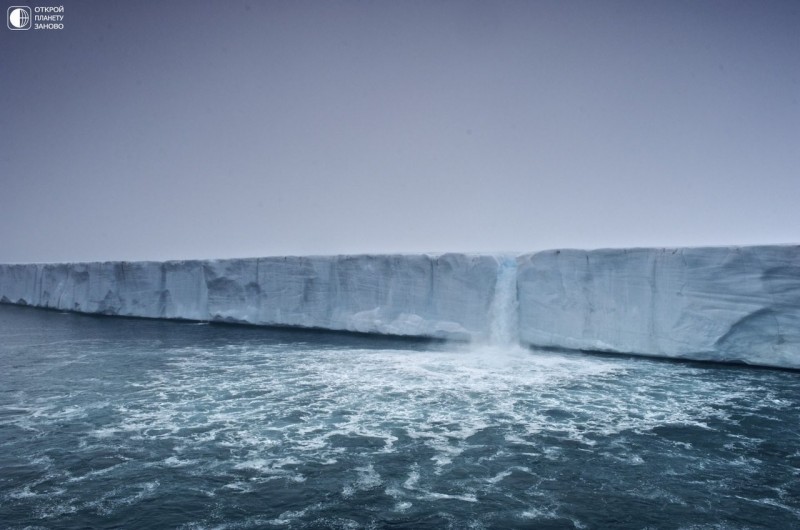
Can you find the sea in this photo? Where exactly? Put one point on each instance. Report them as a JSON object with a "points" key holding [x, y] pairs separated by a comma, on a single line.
{"points": [[109, 422]]}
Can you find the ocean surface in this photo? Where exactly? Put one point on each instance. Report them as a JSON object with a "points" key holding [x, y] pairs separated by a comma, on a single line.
{"points": [[128, 423]]}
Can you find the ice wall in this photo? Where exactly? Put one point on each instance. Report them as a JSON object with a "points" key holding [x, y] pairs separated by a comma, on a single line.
{"points": [[442, 296], [738, 304]]}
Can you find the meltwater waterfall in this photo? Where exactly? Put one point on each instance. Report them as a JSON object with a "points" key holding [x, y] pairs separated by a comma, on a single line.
{"points": [[504, 314], [134, 423], [723, 304]]}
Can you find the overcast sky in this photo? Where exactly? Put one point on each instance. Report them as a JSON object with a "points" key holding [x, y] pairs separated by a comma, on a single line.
{"points": [[162, 130]]}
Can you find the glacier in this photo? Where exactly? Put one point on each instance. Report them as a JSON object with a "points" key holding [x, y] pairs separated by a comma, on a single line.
{"points": [[726, 304], [439, 296]]}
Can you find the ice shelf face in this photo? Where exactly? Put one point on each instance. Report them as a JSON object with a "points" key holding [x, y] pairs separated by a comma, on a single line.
{"points": [[736, 304], [444, 296], [730, 304]]}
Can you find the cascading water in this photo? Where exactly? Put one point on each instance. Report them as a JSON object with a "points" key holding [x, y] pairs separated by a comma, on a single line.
{"points": [[134, 423], [503, 314]]}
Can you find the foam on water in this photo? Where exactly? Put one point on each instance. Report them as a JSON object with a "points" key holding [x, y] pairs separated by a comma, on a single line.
{"points": [[422, 432]]}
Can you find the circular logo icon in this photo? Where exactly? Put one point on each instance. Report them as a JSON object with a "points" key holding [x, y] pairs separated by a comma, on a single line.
{"points": [[19, 18]]}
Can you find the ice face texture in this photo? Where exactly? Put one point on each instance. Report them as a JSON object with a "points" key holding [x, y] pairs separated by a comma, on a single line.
{"points": [[440, 296], [728, 304], [734, 304]]}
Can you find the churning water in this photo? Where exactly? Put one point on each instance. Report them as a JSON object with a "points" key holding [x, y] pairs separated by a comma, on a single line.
{"points": [[109, 422]]}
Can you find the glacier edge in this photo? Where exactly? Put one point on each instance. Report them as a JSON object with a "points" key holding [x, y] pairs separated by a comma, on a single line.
{"points": [[726, 304]]}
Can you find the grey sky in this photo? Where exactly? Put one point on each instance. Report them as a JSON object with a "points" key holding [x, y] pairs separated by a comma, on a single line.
{"points": [[159, 130]]}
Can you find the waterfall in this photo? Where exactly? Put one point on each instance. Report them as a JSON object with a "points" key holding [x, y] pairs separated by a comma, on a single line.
{"points": [[503, 314]]}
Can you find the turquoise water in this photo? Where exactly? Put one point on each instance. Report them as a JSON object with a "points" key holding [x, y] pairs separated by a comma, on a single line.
{"points": [[111, 422]]}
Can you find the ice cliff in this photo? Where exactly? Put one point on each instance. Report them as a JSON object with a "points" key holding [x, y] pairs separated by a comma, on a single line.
{"points": [[725, 304], [737, 304], [444, 296]]}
